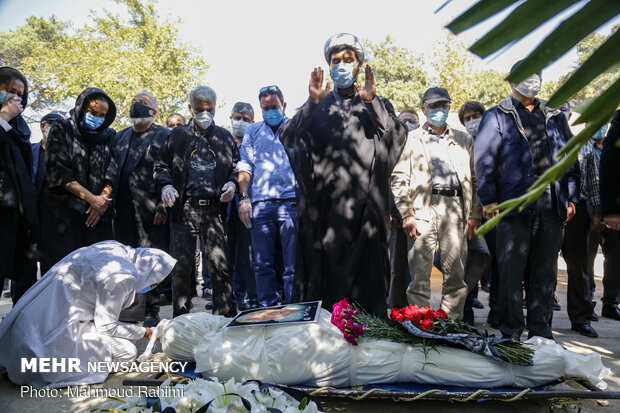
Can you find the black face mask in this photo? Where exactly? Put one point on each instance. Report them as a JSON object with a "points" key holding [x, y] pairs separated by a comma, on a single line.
{"points": [[138, 110]]}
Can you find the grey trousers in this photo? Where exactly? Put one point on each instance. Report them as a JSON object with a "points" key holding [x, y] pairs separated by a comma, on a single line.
{"points": [[446, 231]]}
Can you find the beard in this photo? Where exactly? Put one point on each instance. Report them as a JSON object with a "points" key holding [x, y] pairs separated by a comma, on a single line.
{"points": [[141, 122]]}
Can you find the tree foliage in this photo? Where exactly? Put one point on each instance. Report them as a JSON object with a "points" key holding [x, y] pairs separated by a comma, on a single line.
{"points": [[29, 43], [454, 68], [489, 87], [398, 73], [602, 82], [119, 55]]}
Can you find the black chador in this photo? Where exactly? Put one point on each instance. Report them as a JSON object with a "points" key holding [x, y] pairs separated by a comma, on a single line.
{"points": [[343, 151]]}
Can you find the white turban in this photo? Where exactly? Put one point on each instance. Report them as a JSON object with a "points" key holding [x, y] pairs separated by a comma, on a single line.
{"points": [[343, 41]]}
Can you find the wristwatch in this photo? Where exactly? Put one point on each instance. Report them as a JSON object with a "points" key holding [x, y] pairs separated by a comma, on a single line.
{"points": [[244, 196]]}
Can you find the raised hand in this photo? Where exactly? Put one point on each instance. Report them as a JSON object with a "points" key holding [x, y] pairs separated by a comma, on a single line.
{"points": [[11, 108], [369, 91], [315, 88]]}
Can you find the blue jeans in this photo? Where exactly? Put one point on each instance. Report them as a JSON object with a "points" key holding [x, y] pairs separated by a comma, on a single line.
{"points": [[273, 220]]}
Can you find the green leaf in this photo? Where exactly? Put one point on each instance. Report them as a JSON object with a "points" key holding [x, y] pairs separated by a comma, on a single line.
{"points": [[604, 58], [570, 32], [523, 20], [603, 105], [477, 13]]}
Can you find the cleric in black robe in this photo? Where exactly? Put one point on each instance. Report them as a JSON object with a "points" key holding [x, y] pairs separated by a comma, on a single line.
{"points": [[140, 219], [343, 146], [18, 214], [77, 157]]}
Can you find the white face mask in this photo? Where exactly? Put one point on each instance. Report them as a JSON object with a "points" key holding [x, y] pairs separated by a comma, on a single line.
{"points": [[239, 127], [203, 119], [530, 87], [472, 126]]}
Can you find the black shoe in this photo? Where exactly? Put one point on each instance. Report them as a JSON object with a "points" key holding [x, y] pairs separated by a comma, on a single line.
{"points": [[209, 305], [164, 300], [556, 304], [477, 304], [493, 320], [584, 329], [611, 311], [207, 293], [151, 320], [468, 316], [593, 317]]}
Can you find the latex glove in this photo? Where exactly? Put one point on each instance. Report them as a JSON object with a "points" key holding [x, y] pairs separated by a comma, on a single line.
{"points": [[245, 212], [169, 195], [228, 192]]}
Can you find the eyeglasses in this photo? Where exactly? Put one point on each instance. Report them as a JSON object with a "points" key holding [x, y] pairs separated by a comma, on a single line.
{"points": [[438, 105], [272, 88]]}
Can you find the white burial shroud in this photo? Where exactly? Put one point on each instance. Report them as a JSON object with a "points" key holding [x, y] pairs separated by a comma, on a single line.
{"points": [[316, 354]]}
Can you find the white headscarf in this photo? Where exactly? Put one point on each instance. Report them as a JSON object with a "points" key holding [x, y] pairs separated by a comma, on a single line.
{"points": [[152, 265], [343, 40]]}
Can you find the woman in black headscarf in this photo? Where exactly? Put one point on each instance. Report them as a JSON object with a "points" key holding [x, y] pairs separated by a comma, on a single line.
{"points": [[77, 156], [18, 216]]}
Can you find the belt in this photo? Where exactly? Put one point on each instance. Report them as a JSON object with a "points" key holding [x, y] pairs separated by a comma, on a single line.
{"points": [[201, 201], [448, 192]]}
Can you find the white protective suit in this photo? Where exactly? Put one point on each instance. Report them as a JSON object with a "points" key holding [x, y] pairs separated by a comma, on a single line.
{"points": [[72, 312], [316, 354]]}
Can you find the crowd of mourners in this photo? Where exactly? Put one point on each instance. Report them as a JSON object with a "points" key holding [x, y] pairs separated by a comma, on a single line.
{"points": [[343, 199]]}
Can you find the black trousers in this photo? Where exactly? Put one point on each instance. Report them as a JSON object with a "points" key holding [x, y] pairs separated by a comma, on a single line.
{"points": [[610, 244], [399, 266], [206, 222], [575, 253], [528, 244], [17, 255], [130, 231], [491, 238]]}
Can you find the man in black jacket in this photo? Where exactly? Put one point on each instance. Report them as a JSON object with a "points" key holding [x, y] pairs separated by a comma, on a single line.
{"points": [[196, 172], [141, 219]]}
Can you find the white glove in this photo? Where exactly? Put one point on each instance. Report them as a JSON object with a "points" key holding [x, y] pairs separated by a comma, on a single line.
{"points": [[228, 192], [245, 212], [169, 195]]}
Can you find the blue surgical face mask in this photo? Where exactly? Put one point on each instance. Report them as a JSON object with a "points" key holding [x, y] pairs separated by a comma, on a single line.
{"points": [[411, 126], [600, 134], [273, 117], [92, 122], [437, 117], [4, 97], [342, 75], [145, 290]]}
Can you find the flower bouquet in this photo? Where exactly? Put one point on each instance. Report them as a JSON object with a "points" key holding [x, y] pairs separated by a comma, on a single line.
{"points": [[421, 325], [212, 396]]}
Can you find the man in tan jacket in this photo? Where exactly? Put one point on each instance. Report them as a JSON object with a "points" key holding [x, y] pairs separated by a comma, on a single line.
{"points": [[434, 187]]}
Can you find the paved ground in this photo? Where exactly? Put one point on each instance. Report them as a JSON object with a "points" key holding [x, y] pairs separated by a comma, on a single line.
{"points": [[607, 345]]}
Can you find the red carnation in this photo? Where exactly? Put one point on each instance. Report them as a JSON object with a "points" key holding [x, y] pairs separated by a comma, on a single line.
{"points": [[442, 314], [427, 324]]}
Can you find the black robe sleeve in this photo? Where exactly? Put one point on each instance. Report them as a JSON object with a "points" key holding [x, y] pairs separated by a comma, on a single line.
{"points": [[162, 169], [58, 159]]}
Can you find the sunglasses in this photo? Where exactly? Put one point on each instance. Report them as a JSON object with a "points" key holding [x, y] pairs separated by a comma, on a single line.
{"points": [[272, 88]]}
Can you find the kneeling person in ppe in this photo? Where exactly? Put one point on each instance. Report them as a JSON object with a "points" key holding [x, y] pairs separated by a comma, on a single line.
{"points": [[72, 312]]}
